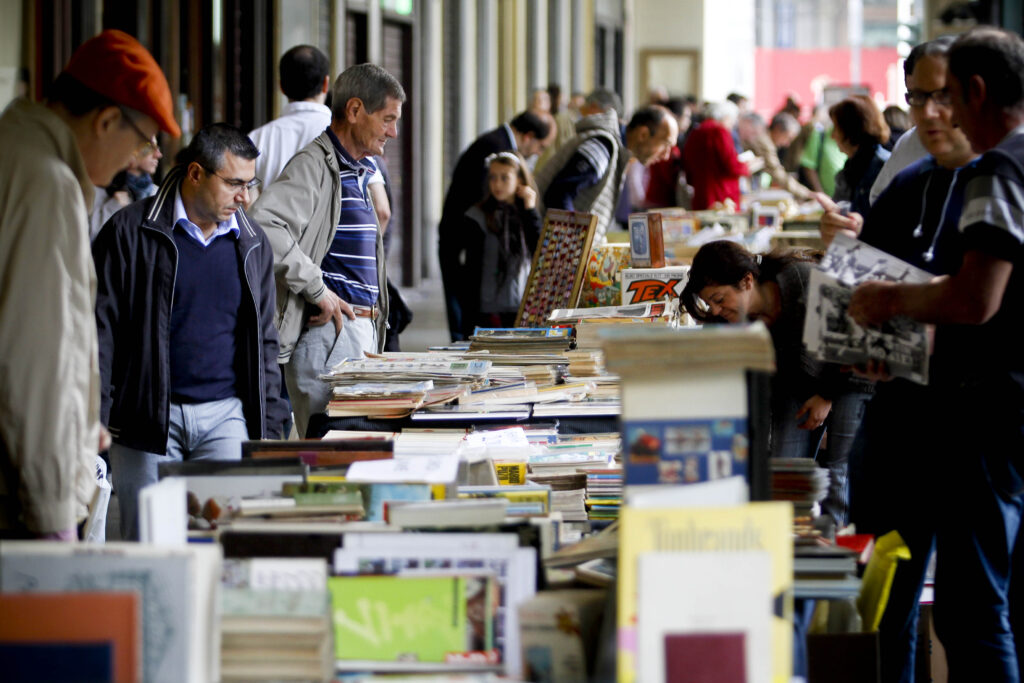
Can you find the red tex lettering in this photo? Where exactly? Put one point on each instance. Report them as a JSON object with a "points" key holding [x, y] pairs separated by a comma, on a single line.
{"points": [[652, 290]]}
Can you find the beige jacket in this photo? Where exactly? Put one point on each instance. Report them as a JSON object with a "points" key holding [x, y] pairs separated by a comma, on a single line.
{"points": [[299, 212], [49, 378], [763, 147]]}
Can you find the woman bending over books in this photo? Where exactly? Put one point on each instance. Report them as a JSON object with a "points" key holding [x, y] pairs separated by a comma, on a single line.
{"points": [[501, 233], [729, 284]]}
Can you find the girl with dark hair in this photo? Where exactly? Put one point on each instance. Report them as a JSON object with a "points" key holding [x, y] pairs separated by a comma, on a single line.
{"points": [[860, 131], [727, 283], [500, 234]]}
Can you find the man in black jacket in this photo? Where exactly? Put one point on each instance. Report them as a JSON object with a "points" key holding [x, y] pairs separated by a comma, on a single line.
{"points": [[184, 311], [523, 134]]}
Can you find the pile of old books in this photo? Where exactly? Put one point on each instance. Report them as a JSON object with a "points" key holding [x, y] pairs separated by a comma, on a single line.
{"points": [[521, 340], [377, 399], [396, 385], [604, 493], [825, 571], [568, 494], [800, 481], [587, 323], [276, 620]]}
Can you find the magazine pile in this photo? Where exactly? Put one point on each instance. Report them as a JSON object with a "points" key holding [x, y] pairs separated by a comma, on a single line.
{"points": [[831, 335]]}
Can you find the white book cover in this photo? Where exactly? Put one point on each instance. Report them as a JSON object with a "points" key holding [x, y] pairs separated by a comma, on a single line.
{"points": [[163, 513], [721, 592]]}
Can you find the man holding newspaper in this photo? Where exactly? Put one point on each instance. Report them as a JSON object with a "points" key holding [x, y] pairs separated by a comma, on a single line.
{"points": [[975, 311]]}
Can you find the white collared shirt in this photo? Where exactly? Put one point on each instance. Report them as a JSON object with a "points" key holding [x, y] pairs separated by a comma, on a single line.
{"points": [[278, 141], [511, 137], [194, 231]]}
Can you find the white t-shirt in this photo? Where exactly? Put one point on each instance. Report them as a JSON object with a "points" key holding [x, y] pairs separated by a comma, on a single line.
{"points": [[906, 151], [279, 140]]}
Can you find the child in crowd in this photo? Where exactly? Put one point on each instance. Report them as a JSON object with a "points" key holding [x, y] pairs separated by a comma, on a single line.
{"points": [[500, 235]]}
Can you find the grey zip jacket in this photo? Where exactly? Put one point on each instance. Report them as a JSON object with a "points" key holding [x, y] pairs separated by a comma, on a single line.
{"points": [[299, 213]]}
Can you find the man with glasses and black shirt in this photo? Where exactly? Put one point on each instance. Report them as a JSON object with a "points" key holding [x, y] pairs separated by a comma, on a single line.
{"points": [[185, 312], [110, 101]]}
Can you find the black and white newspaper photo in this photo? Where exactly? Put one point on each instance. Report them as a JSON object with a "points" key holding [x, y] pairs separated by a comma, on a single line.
{"points": [[832, 336]]}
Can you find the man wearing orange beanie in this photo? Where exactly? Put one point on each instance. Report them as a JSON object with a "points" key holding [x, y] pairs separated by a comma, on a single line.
{"points": [[109, 103]]}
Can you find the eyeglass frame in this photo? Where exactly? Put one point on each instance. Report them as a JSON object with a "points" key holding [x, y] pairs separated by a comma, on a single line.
{"points": [[235, 183], [937, 95], [150, 144]]}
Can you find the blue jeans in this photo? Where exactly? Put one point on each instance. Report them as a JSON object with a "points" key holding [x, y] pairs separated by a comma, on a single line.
{"points": [[197, 431], [972, 579], [789, 441], [979, 530], [318, 350], [892, 467]]}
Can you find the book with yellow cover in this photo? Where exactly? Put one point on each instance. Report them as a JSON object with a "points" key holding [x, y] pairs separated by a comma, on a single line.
{"points": [[764, 528]]}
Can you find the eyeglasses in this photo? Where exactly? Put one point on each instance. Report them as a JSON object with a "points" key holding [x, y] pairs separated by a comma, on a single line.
{"points": [[235, 183], [919, 98], [148, 144]]}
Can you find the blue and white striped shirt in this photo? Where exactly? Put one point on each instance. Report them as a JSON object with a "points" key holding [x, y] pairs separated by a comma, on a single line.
{"points": [[350, 265]]}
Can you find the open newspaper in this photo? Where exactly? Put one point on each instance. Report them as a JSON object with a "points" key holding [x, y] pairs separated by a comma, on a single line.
{"points": [[653, 309], [831, 335]]}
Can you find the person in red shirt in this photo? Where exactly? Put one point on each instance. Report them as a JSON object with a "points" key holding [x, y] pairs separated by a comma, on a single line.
{"points": [[663, 177], [710, 160]]}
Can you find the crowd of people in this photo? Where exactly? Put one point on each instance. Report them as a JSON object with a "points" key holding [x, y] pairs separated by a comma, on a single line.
{"points": [[206, 303], [942, 464]]}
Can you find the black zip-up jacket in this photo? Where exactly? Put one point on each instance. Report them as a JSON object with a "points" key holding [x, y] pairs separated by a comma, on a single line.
{"points": [[136, 266]]}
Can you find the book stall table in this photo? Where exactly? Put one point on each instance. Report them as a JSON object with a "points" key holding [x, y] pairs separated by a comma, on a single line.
{"points": [[319, 425]]}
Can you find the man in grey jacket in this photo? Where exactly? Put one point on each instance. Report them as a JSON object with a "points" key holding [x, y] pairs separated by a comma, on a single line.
{"points": [[328, 252]]}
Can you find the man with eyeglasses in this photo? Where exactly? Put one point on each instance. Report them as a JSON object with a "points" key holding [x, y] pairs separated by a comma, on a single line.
{"points": [[185, 312], [976, 309], [110, 100]]}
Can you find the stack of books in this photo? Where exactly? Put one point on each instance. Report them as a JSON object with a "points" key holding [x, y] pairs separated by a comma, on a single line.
{"points": [[377, 399], [800, 481], [604, 493], [568, 494], [521, 340], [524, 500], [275, 621], [396, 385], [825, 572], [310, 502]]}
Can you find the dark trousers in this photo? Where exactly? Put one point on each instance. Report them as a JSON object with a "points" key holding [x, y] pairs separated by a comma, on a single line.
{"points": [[789, 441], [972, 584], [983, 486], [892, 463]]}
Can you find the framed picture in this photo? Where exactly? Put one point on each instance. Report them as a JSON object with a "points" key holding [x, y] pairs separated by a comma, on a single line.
{"points": [[559, 266], [676, 70]]}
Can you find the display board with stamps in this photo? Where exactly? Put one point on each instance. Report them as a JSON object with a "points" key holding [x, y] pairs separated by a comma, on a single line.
{"points": [[559, 266]]}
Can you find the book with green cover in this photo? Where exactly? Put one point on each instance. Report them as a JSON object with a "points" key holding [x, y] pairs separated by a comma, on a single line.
{"points": [[392, 618]]}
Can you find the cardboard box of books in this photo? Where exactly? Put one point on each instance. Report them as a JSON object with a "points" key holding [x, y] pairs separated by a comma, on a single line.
{"points": [[643, 285]]}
